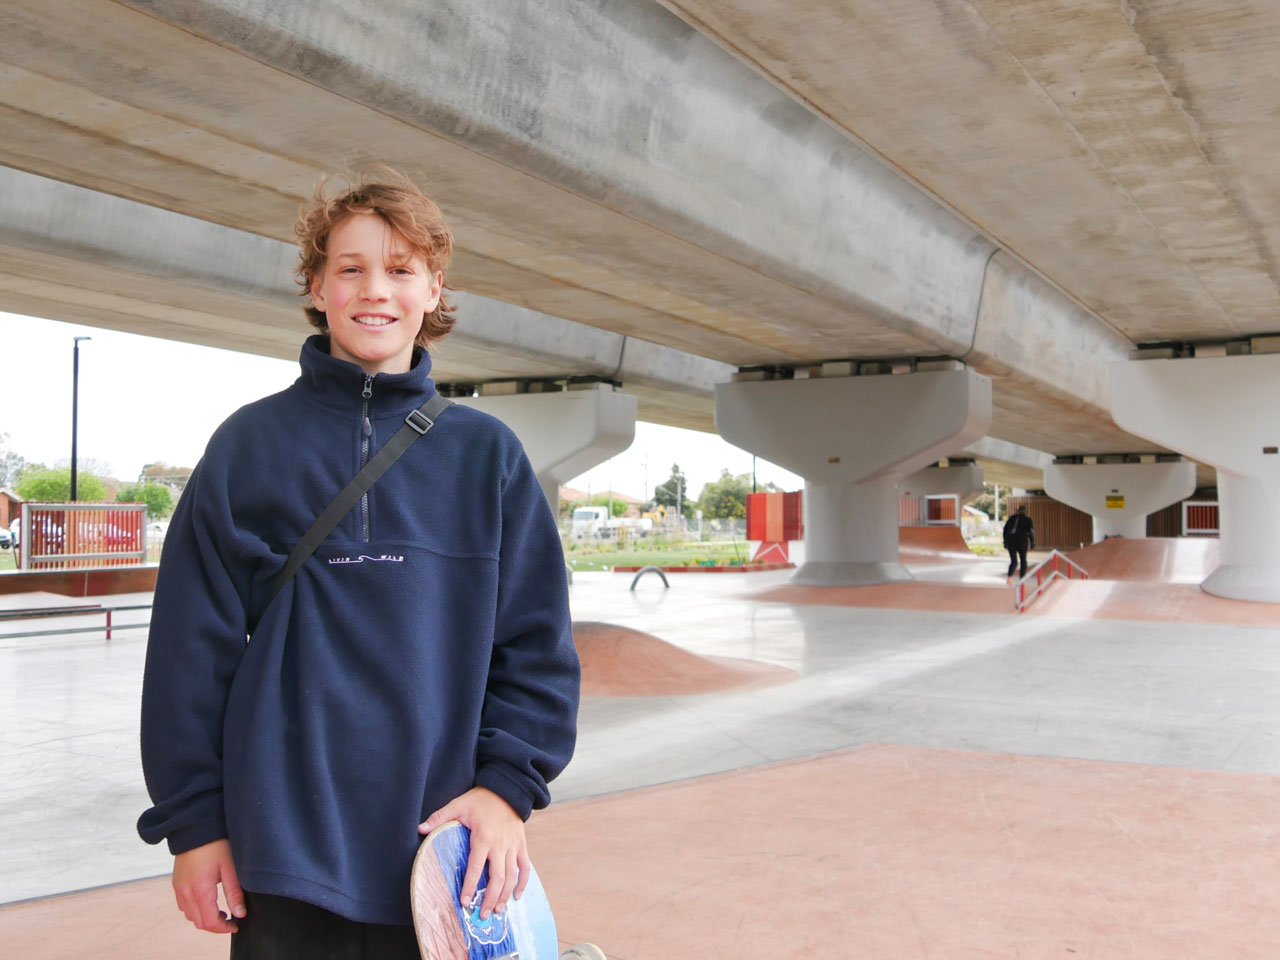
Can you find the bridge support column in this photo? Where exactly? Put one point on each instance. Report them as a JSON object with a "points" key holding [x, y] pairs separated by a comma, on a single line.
{"points": [[1223, 411], [565, 433], [1119, 496], [852, 439]]}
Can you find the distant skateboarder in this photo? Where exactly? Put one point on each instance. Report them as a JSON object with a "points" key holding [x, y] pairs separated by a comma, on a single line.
{"points": [[1019, 537]]}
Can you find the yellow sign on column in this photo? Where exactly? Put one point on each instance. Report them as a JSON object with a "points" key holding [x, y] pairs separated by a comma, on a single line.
{"points": [[1115, 501]]}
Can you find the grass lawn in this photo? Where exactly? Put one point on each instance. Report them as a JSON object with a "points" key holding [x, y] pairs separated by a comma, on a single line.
{"points": [[588, 555], [8, 560]]}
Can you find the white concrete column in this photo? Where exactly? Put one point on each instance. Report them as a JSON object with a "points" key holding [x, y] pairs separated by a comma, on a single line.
{"points": [[1120, 496], [852, 439], [1223, 411], [565, 433]]}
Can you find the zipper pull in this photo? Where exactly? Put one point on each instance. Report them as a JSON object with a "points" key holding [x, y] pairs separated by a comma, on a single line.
{"points": [[366, 428], [367, 392]]}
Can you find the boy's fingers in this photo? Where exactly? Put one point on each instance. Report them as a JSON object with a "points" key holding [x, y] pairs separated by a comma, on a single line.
{"points": [[183, 896], [232, 891], [497, 882], [443, 815], [525, 867], [509, 883], [207, 906], [475, 863]]}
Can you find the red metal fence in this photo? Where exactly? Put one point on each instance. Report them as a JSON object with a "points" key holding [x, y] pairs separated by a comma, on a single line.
{"points": [[72, 536]]}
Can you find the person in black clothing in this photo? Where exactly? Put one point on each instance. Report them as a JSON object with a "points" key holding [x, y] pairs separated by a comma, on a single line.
{"points": [[1019, 537]]}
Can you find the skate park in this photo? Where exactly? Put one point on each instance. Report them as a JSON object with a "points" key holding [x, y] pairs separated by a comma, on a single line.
{"points": [[877, 739]]}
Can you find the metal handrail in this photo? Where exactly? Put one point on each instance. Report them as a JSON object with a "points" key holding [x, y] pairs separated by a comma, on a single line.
{"points": [[1054, 564], [38, 613]]}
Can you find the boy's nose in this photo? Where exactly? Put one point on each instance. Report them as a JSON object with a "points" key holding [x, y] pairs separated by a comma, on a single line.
{"points": [[375, 287]]}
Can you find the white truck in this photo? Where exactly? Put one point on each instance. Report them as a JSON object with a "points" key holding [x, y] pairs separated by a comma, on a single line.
{"points": [[595, 522]]}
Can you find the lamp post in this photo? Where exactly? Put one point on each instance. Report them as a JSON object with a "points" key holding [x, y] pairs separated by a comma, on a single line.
{"points": [[75, 407]]}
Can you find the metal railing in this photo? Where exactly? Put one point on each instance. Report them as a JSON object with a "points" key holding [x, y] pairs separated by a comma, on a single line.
{"points": [[80, 610], [1044, 573]]}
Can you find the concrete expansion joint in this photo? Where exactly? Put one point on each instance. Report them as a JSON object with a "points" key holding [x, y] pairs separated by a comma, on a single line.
{"points": [[519, 385], [1189, 349], [847, 368]]}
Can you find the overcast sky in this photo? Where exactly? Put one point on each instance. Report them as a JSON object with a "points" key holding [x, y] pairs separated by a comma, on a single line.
{"points": [[144, 399]]}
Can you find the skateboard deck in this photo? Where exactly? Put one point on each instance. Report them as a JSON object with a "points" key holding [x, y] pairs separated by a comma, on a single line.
{"points": [[446, 931]]}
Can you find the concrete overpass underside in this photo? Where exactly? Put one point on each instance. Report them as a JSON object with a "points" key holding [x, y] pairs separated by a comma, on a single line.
{"points": [[747, 192]]}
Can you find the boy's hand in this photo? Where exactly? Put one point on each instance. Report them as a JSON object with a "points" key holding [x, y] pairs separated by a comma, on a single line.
{"points": [[196, 875], [497, 835]]}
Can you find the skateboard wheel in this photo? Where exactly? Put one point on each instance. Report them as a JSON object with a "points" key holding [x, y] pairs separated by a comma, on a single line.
{"points": [[583, 951]]}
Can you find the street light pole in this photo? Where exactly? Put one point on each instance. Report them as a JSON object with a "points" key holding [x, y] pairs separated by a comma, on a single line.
{"points": [[75, 407]]}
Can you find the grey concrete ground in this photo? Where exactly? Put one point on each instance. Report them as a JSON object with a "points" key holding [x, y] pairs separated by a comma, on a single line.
{"points": [[1187, 695]]}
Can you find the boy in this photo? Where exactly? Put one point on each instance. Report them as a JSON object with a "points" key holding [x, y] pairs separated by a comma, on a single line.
{"points": [[418, 668]]}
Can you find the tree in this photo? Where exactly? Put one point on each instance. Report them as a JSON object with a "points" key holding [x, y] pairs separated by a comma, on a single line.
{"points": [[11, 463], [615, 504], [169, 475], [986, 501], [157, 497], [726, 498], [53, 485], [673, 490]]}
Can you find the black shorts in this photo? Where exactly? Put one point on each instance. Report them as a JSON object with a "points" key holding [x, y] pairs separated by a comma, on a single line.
{"points": [[280, 928]]}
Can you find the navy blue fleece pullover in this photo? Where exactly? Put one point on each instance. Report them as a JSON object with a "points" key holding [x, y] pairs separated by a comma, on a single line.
{"points": [[425, 648]]}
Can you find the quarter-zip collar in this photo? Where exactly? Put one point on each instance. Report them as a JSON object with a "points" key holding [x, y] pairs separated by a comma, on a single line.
{"points": [[340, 383]]}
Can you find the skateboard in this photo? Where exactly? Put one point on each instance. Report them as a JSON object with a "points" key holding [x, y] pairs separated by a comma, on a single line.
{"points": [[525, 931]]}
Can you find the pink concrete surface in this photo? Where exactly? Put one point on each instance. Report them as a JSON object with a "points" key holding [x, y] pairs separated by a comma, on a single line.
{"points": [[901, 853], [621, 662], [933, 545], [1165, 559], [1079, 599], [877, 852]]}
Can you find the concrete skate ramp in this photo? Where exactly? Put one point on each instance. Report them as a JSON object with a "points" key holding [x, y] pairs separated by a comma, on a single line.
{"points": [[933, 545], [1163, 559], [621, 662]]}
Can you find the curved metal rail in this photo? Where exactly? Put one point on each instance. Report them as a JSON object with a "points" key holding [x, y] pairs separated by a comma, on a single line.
{"points": [[644, 570], [1044, 573]]}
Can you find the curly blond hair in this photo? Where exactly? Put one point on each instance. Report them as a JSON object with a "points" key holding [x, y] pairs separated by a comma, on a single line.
{"points": [[403, 205]]}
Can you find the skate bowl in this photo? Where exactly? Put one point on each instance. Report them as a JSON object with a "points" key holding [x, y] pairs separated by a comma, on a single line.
{"points": [[933, 545], [1161, 559], [618, 661]]}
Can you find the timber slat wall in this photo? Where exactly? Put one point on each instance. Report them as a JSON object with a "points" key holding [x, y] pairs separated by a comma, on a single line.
{"points": [[1058, 527]]}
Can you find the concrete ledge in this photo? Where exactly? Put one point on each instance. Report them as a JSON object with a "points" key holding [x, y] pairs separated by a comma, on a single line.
{"points": [[90, 582]]}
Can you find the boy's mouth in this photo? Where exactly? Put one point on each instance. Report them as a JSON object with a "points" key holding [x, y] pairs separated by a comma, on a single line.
{"points": [[373, 319]]}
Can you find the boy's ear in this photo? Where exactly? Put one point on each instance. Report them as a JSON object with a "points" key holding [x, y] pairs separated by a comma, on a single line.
{"points": [[437, 289], [317, 296]]}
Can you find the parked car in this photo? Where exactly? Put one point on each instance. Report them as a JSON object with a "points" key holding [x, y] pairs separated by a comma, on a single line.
{"points": [[6, 539]]}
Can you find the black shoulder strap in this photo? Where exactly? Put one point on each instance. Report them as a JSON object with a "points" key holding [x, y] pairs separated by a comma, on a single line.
{"points": [[417, 423]]}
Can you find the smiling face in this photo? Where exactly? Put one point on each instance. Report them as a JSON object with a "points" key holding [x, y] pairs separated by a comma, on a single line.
{"points": [[374, 291]]}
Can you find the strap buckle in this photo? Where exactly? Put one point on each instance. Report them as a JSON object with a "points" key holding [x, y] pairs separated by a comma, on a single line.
{"points": [[419, 421]]}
